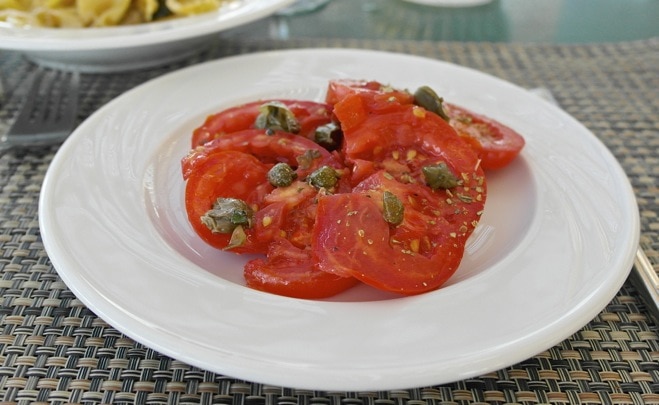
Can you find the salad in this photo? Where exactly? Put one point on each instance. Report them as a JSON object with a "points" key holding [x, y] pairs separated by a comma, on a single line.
{"points": [[375, 185]]}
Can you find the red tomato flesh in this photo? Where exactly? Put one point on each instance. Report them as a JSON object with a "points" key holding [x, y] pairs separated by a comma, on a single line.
{"points": [[390, 145], [289, 271], [351, 239], [236, 166], [268, 148], [496, 144], [338, 89], [227, 174], [310, 115]]}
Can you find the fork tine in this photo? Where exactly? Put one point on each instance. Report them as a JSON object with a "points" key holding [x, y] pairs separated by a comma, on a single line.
{"points": [[46, 104], [71, 108], [59, 103], [49, 109], [25, 115]]}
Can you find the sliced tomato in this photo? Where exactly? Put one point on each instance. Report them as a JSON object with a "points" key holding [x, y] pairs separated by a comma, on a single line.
{"points": [[289, 271], [496, 144], [310, 115], [353, 238], [339, 89], [389, 148], [268, 148], [437, 216], [320, 242], [402, 139], [228, 174], [237, 165], [288, 212], [360, 246]]}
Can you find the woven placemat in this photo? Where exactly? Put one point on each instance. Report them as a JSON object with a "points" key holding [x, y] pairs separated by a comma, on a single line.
{"points": [[54, 350]]}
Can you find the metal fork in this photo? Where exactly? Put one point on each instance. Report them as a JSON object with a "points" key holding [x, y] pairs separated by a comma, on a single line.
{"points": [[49, 111]]}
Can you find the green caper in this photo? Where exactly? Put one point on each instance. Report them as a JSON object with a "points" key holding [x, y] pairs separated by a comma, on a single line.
{"points": [[328, 135], [281, 175], [392, 208], [324, 177], [227, 214], [276, 116], [426, 97], [439, 176]]}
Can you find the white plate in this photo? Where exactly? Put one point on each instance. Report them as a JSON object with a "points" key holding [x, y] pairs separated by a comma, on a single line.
{"points": [[556, 241], [111, 49]]}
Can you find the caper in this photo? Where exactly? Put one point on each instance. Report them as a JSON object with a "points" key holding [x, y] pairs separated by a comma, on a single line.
{"points": [[227, 214], [426, 97], [324, 177], [392, 208], [328, 135], [281, 175], [439, 176], [276, 116]]}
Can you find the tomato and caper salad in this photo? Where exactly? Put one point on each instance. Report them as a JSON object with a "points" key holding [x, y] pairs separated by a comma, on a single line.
{"points": [[373, 185]]}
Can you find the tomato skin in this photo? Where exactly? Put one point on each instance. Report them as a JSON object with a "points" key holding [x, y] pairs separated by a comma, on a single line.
{"points": [[310, 114], [496, 144], [289, 271]]}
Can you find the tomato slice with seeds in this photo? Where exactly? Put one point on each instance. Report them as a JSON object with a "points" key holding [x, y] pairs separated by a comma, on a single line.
{"points": [[339, 89], [351, 239], [236, 166], [399, 143], [496, 144], [408, 192], [227, 174], [310, 115], [401, 139], [273, 148], [211, 174]]}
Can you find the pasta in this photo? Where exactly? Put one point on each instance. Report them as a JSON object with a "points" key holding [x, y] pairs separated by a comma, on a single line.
{"points": [[97, 13]]}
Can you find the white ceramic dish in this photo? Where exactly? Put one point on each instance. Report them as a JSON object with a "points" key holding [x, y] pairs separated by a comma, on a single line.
{"points": [[112, 49], [556, 242]]}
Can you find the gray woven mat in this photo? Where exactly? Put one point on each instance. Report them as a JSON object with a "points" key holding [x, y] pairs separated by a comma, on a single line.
{"points": [[54, 350]]}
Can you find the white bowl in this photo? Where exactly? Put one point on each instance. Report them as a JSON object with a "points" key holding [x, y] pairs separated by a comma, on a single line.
{"points": [[111, 49]]}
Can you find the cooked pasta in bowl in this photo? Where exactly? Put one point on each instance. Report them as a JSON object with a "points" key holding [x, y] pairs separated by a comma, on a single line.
{"points": [[114, 35], [96, 13]]}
